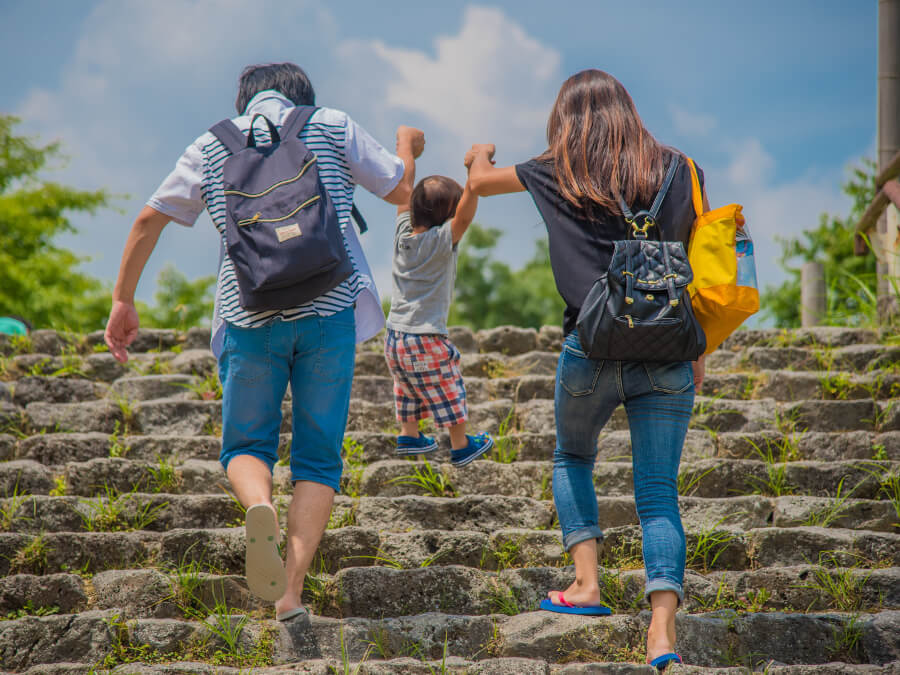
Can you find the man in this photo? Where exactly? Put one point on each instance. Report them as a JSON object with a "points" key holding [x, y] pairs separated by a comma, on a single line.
{"points": [[312, 346]]}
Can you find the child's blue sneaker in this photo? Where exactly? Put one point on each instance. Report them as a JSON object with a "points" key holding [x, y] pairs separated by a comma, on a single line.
{"points": [[478, 445], [410, 445]]}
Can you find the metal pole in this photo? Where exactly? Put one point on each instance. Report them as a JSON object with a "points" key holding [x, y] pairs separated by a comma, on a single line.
{"points": [[812, 294], [888, 135]]}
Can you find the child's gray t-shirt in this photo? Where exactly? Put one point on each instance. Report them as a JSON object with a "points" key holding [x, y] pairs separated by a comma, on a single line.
{"points": [[424, 271]]}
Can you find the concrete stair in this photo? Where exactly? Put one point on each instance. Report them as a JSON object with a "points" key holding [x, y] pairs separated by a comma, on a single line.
{"points": [[121, 548]]}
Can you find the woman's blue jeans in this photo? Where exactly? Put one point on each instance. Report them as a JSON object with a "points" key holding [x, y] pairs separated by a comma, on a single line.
{"points": [[658, 399]]}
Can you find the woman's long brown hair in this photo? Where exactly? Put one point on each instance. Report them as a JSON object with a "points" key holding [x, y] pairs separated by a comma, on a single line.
{"points": [[600, 147]]}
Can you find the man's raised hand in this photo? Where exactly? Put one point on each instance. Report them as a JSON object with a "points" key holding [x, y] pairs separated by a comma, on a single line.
{"points": [[413, 138]]}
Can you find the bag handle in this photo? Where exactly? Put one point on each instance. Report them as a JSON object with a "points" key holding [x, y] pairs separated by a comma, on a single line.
{"points": [[273, 132], [696, 192]]}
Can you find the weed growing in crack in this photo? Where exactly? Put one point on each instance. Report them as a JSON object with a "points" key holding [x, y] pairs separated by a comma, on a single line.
{"points": [[832, 511], [165, 477], [840, 587], [114, 511], [116, 447], [689, 482], [345, 659], [502, 599], [430, 482], [846, 642], [708, 547], [31, 558], [354, 460], [507, 447], [10, 507]]}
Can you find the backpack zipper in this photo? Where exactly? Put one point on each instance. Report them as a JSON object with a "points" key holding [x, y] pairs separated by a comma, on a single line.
{"points": [[256, 216], [277, 185]]}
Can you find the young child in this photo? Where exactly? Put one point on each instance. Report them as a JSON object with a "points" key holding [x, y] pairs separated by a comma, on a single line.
{"points": [[421, 358]]}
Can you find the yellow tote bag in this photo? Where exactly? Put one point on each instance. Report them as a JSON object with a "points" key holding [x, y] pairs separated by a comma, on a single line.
{"points": [[724, 291]]}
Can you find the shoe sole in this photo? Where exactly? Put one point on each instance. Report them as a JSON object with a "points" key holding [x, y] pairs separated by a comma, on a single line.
{"points": [[407, 452], [264, 570], [472, 458]]}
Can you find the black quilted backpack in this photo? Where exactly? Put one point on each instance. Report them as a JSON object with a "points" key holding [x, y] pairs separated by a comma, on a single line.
{"points": [[640, 310]]}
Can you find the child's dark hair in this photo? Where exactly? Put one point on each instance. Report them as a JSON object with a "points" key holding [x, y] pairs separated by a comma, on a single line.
{"points": [[434, 201]]}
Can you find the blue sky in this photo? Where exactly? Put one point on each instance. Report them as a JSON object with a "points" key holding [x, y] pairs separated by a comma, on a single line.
{"points": [[774, 100]]}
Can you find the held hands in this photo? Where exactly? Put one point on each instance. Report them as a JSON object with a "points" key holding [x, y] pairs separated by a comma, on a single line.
{"points": [[479, 149], [412, 138], [121, 329]]}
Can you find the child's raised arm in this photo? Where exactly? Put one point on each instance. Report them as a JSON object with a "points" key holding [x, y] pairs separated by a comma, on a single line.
{"points": [[465, 212]]}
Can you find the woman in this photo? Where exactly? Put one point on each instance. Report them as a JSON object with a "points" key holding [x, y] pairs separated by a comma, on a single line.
{"points": [[598, 150]]}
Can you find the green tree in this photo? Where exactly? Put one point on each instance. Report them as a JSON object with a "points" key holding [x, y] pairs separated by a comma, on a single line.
{"points": [[489, 293], [39, 280], [850, 279], [180, 303]]}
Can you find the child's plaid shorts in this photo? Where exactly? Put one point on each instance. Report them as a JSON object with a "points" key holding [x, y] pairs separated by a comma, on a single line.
{"points": [[427, 378]]}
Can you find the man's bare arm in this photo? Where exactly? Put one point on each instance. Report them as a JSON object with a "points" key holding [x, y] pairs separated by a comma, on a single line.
{"points": [[410, 144], [122, 327]]}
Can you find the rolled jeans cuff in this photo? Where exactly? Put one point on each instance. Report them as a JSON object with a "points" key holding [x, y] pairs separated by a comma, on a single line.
{"points": [[664, 585], [580, 535]]}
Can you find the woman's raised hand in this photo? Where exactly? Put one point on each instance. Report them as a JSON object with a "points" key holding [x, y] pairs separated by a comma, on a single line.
{"points": [[487, 149]]}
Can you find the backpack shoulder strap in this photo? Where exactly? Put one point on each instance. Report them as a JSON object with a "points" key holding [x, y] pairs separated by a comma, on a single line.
{"points": [[360, 221], [296, 120], [230, 136], [696, 192], [666, 184]]}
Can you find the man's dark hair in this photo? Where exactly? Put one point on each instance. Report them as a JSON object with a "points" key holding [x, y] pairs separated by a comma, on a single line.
{"points": [[287, 78], [434, 201]]}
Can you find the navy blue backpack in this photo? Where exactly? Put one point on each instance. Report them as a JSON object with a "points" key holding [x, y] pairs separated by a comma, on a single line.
{"points": [[281, 227]]}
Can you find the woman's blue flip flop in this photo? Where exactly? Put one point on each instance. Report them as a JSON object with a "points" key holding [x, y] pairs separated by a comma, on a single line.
{"points": [[660, 662], [568, 608]]}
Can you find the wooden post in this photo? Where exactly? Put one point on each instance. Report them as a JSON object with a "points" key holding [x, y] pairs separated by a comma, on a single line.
{"points": [[812, 294], [888, 138]]}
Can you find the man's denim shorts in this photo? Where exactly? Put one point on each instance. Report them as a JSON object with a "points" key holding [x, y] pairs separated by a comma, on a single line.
{"points": [[316, 356]]}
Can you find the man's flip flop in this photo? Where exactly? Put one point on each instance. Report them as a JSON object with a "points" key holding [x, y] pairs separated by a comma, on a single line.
{"points": [[264, 569], [567, 607], [661, 662], [291, 613]]}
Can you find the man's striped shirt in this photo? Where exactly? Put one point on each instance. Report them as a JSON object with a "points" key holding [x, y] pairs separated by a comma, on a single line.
{"points": [[346, 154]]}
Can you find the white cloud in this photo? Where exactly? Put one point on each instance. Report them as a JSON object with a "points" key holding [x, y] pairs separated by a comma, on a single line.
{"points": [[692, 124], [490, 82]]}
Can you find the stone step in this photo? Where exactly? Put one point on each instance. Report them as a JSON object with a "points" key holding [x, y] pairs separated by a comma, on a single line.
{"points": [[504, 339], [454, 665], [57, 449], [706, 640], [40, 513], [857, 358], [786, 385], [706, 478], [393, 478], [374, 592], [712, 546]]}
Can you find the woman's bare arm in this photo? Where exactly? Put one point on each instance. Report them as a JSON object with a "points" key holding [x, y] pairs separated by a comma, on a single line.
{"points": [[486, 179]]}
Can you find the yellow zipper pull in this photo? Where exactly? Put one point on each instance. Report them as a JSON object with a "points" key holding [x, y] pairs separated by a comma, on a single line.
{"points": [[630, 322]]}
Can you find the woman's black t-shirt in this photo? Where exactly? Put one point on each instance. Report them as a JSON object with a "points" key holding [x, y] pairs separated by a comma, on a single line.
{"points": [[581, 248]]}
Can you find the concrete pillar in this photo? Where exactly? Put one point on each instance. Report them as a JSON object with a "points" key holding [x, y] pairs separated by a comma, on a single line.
{"points": [[888, 134], [812, 294]]}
